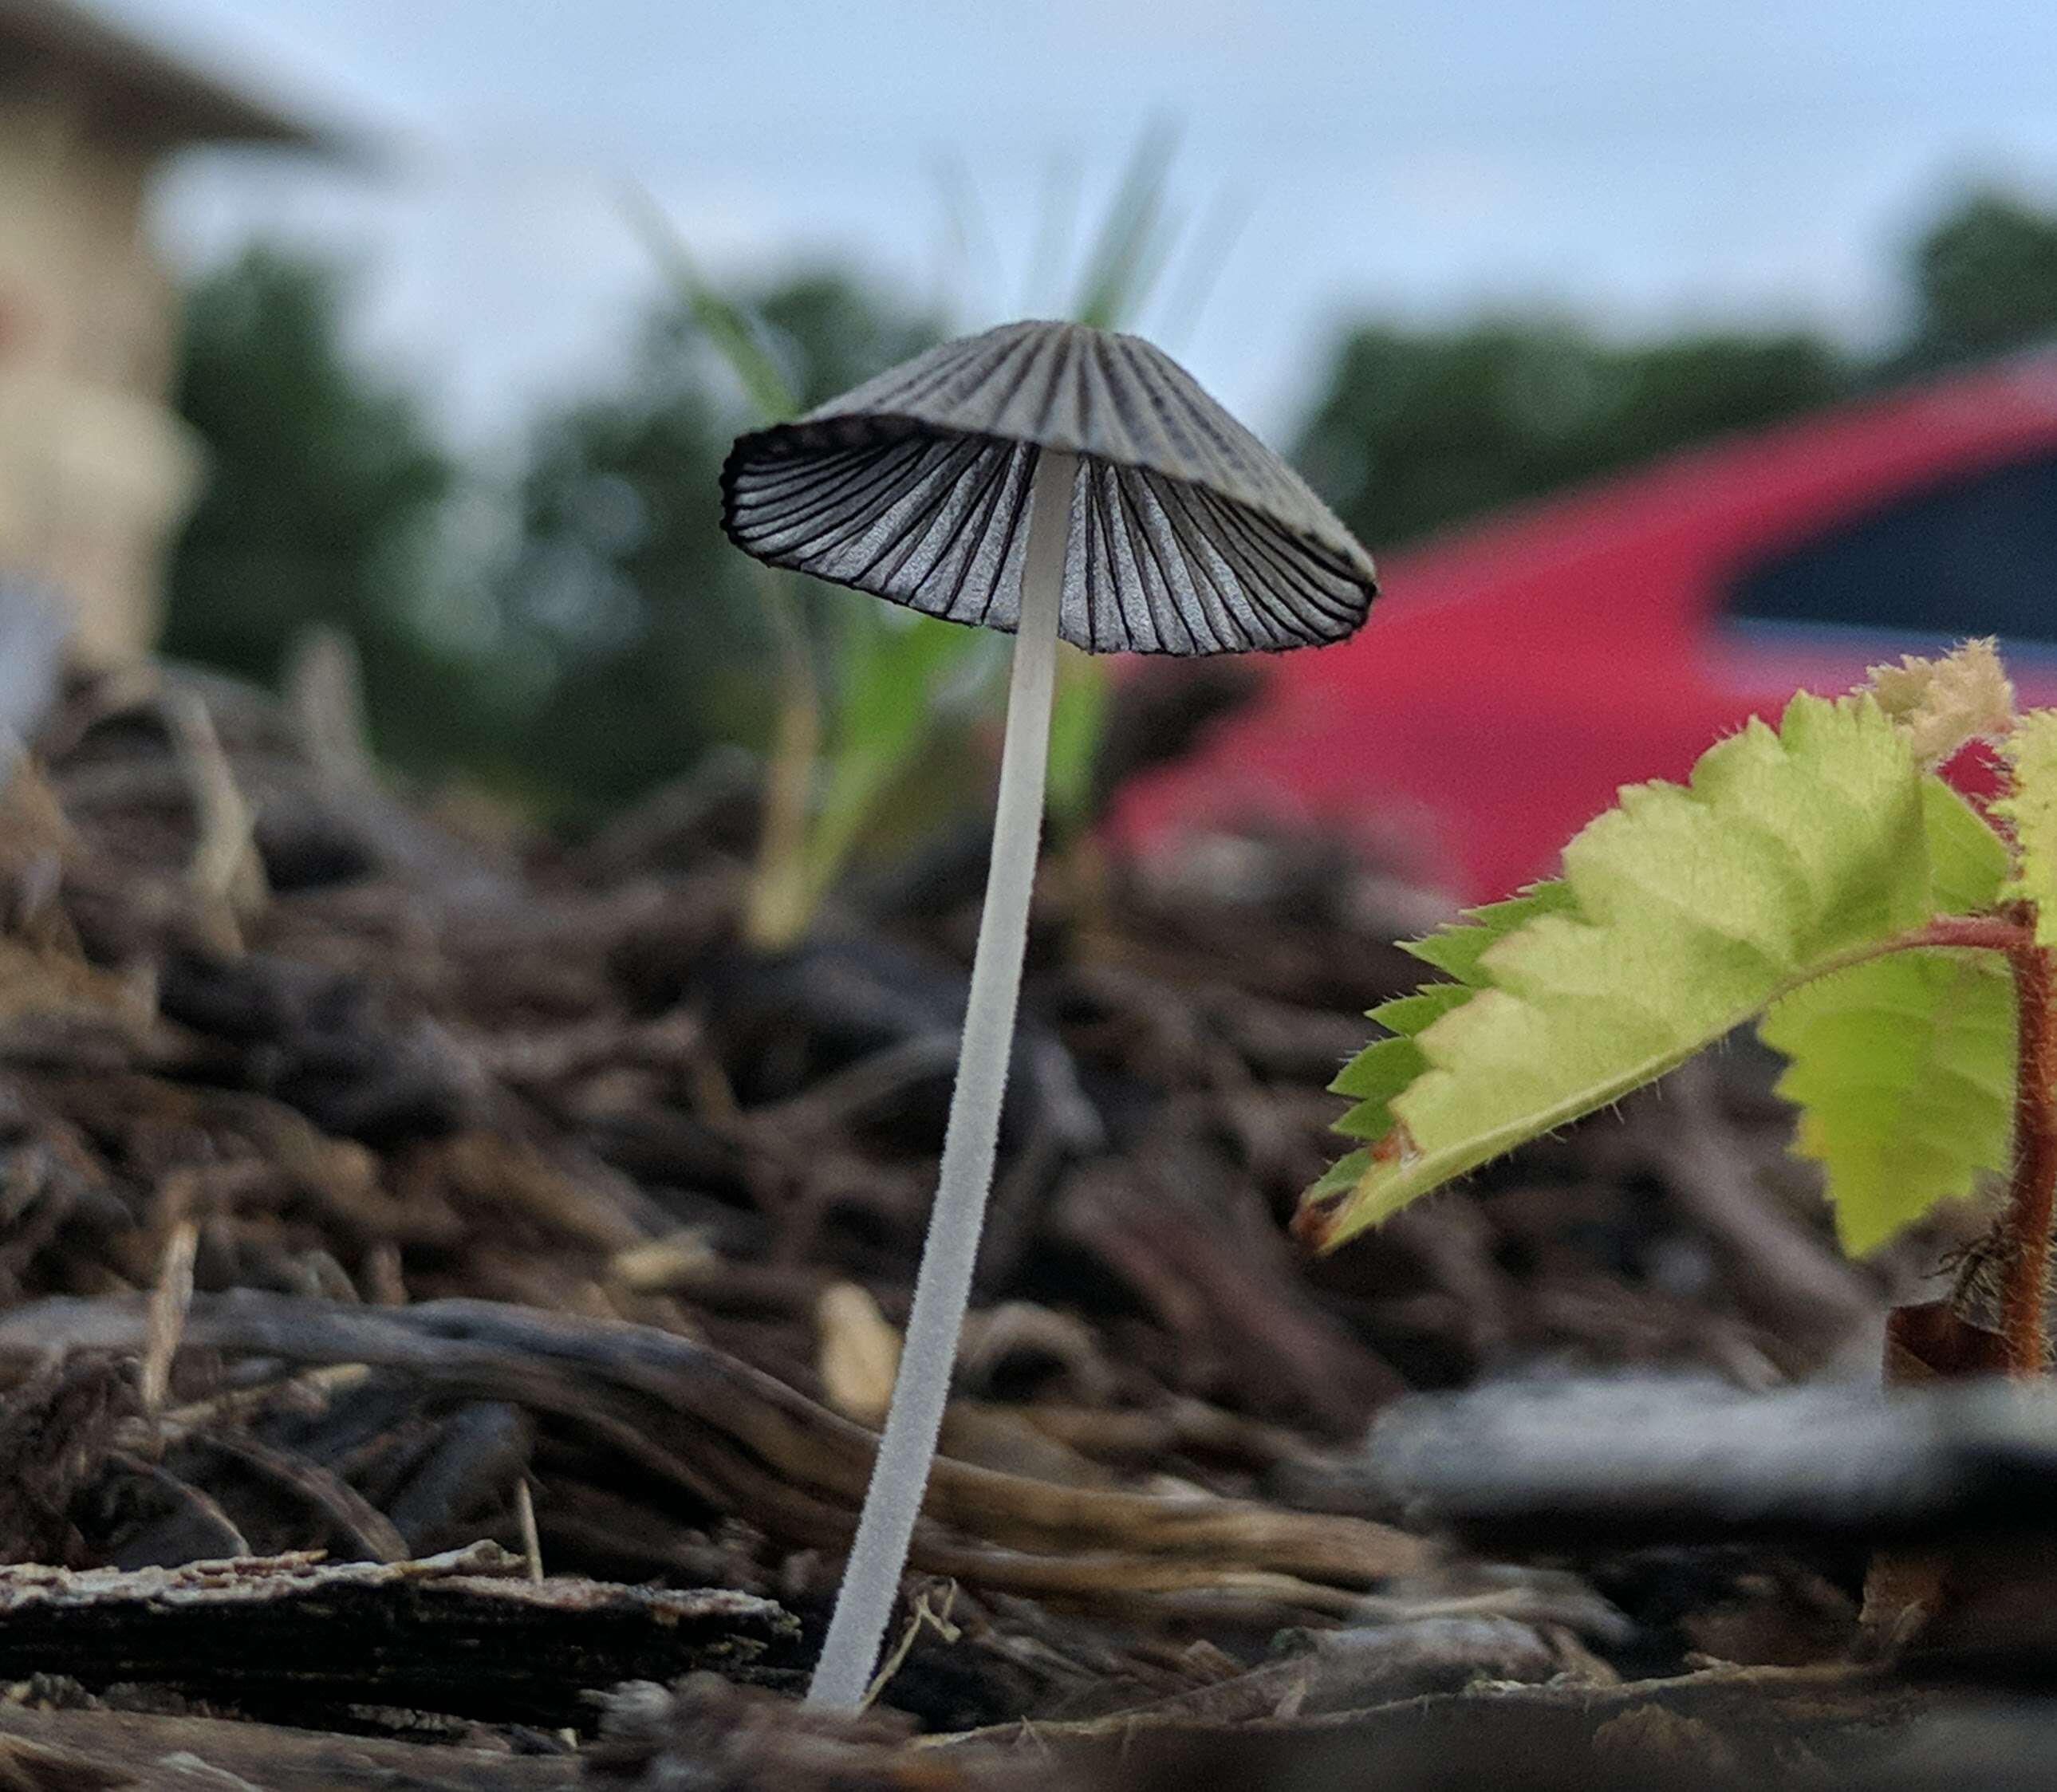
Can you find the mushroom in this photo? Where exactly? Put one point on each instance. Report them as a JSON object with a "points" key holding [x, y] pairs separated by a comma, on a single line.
{"points": [[1048, 480]]}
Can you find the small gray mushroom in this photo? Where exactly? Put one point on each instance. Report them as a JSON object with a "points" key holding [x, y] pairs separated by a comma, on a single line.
{"points": [[1185, 534], [1046, 480]]}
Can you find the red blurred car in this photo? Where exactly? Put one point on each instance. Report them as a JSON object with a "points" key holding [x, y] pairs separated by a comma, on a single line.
{"points": [[1515, 674]]}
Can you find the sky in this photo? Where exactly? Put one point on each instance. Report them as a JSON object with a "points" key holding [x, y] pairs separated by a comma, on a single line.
{"points": [[1753, 162]]}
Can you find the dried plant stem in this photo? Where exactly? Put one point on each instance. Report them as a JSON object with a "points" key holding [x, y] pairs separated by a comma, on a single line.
{"points": [[2025, 1230], [942, 1288]]}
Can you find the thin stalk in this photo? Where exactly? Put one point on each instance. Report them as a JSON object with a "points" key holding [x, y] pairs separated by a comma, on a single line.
{"points": [[2025, 1230], [942, 1289], [776, 911]]}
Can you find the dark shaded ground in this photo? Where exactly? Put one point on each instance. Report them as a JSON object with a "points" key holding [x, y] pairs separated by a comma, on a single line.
{"points": [[365, 1190]]}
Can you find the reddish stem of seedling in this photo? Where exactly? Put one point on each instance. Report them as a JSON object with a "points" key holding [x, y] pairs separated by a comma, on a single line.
{"points": [[2024, 1228], [2024, 1291], [2031, 1205], [1995, 933]]}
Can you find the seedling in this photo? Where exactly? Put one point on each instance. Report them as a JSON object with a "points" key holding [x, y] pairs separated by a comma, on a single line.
{"points": [[1895, 943], [1045, 480]]}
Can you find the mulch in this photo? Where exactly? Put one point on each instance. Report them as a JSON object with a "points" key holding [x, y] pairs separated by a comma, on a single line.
{"points": [[446, 1281]]}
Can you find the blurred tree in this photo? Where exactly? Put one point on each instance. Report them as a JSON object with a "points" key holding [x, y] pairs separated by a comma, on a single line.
{"points": [[324, 491], [605, 636], [829, 334], [1414, 430], [606, 645], [1985, 281], [1418, 430], [649, 631]]}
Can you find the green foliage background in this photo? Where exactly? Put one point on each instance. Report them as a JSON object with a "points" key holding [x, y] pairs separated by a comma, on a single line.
{"points": [[645, 633], [589, 634], [325, 492], [1415, 431]]}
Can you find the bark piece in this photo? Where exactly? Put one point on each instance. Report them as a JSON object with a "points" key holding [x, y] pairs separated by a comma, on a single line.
{"points": [[748, 1445], [43, 1751], [463, 1633]]}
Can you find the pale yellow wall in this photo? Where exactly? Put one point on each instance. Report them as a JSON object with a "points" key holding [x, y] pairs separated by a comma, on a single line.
{"points": [[96, 474]]}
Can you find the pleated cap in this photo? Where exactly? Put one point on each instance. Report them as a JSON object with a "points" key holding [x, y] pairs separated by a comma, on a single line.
{"points": [[1188, 535]]}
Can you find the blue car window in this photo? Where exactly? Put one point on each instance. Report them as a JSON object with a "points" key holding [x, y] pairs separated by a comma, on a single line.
{"points": [[1977, 557]]}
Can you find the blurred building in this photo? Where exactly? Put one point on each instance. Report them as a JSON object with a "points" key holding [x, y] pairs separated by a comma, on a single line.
{"points": [[96, 472]]}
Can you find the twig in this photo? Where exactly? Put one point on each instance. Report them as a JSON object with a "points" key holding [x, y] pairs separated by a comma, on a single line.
{"points": [[225, 863], [325, 697], [532, 1556], [361, 1524], [524, 1516], [923, 1614], [169, 1302]]}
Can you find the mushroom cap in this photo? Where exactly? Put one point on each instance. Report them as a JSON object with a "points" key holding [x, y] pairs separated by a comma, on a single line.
{"points": [[1188, 535]]}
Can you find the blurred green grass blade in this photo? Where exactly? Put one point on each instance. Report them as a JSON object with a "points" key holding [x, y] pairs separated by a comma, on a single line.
{"points": [[971, 235], [892, 674], [1207, 249], [1129, 250], [722, 323], [1056, 217], [778, 904], [1078, 719], [891, 668]]}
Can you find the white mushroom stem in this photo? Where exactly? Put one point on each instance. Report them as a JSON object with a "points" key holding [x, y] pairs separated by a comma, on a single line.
{"points": [[879, 1555]]}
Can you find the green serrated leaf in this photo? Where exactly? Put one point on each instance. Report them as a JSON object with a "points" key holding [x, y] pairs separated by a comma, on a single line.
{"points": [[1903, 1068], [2030, 807], [1342, 1174], [1371, 1072], [1386, 1066], [1683, 913], [1408, 1015], [1967, 860], [1372, 1118], [1456, 949]]}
